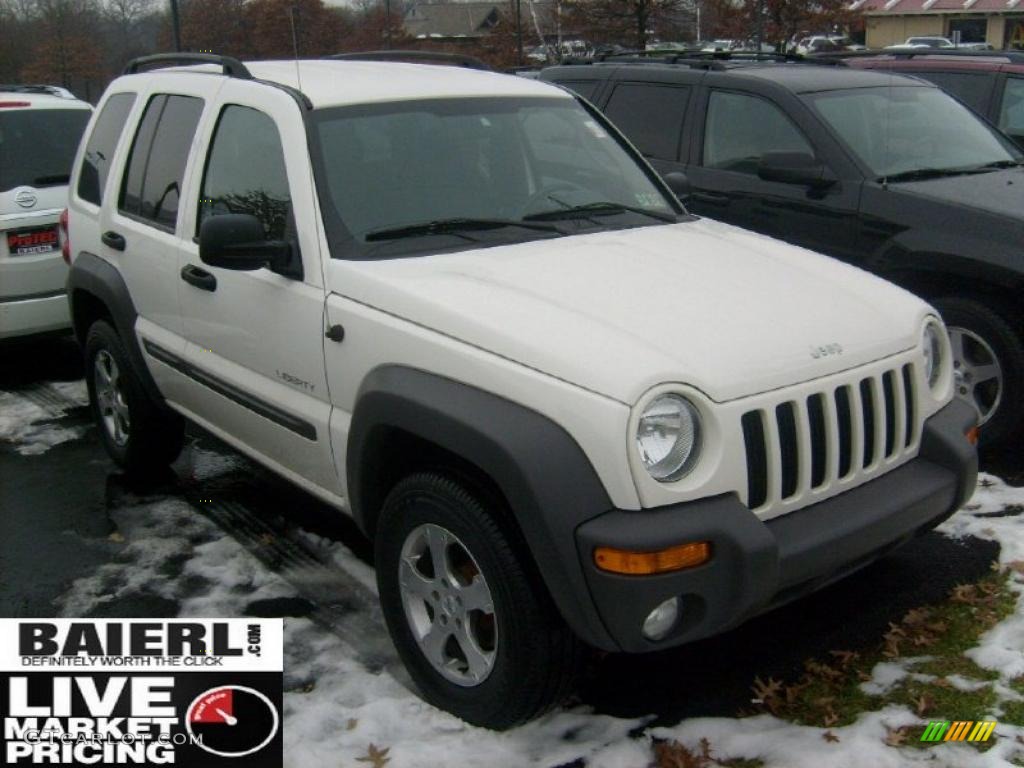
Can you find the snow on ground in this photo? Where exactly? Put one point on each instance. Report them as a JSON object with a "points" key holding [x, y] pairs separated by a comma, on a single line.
{"points": [[335, 707], [27, 419]]}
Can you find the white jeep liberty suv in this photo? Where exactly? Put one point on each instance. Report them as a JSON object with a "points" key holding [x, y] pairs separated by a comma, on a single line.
{"points": [[461, 308]]}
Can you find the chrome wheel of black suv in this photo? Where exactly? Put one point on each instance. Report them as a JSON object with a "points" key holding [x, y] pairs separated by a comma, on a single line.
{"points": [[139, 435], [988, 365], [468, 614]]}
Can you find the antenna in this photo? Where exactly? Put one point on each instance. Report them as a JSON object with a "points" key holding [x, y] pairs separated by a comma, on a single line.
{"points": [[295, 46]]}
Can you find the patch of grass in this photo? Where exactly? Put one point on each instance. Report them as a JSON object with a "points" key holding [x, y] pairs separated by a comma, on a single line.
{"points": [[1013, 711], [828, 694]]}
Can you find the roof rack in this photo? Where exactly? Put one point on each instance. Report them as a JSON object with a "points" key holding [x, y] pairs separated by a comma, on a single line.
{"points": [[415, 57], [1013, 57], [52, 90], [230, 66], [699, 58]]}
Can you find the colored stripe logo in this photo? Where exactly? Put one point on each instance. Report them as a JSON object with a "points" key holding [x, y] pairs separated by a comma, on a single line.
{"points": [[959, 730]]}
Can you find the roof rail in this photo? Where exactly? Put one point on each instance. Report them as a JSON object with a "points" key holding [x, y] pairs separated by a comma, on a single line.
{"points": [[415, 57], [230, 66], [700, 59], [1013, 57], [52, 90]]}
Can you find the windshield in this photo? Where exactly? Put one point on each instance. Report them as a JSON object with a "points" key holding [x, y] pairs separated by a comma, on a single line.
{"points": [[37, 146], [424, 176], [901, 129]]}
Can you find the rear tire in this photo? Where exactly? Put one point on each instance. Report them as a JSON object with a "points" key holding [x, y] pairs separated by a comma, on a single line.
{"points": [[984, 334], [522, 658], [140, 436]]}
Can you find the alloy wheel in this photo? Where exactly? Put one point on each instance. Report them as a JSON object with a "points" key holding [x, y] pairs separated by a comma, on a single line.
{"points": [[977, 374], [110, 397], [448, 605]]}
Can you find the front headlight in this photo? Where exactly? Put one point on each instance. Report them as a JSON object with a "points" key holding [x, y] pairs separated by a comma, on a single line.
{"points": [[668, 437], [933, 350]]}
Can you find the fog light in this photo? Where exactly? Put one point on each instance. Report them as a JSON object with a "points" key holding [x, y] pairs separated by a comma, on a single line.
{"points": [[662, 619]]}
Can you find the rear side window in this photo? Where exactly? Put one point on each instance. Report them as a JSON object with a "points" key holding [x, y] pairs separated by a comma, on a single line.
{"points": [[651, 116], [1011, 114], [245, 171], [972, 88], [102, 142], [156, 167], [37, 146]]}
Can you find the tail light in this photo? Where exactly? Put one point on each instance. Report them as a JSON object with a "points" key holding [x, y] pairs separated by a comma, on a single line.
{"points": [[65, 243], [4, 104]]}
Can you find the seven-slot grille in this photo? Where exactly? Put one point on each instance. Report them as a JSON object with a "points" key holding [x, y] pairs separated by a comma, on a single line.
{"points": [[841, 435]]}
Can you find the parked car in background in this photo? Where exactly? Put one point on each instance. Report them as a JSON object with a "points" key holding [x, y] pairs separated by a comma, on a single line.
{"points": [[990, 83], [880, 170], [926, 42], [40, 127], [820, 44]]}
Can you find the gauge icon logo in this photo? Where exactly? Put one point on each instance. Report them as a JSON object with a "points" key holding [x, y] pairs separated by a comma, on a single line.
{"points": [[232, 721]]}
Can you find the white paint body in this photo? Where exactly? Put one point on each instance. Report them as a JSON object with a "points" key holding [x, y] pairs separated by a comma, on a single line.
{"points": [[32, 298], [582, 329]]}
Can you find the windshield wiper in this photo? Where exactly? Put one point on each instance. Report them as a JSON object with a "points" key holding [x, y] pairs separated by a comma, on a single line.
{"points": [[920, 174], [597, 209], [1000, 164], [455, 226]]}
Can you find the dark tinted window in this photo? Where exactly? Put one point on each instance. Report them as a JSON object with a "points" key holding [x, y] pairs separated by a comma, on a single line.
{"points": [[1011, 114], [740, 129], [100, 149], [585, 88], [156, 167], [971, 88], [37, 146], [245, 172], [651, 116]]}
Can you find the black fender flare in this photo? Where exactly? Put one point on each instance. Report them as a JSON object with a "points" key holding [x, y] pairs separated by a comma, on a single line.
{"points": [[547, 480], [89, 274]]}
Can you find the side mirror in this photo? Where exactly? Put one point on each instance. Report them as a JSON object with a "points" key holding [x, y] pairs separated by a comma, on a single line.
{"points": [[794, 168], [238, 241], [678, 183]]}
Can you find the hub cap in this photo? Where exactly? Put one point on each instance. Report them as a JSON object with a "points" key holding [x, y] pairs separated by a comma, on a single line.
{"points": [[110, 398], [977, 375], [448, 605]]}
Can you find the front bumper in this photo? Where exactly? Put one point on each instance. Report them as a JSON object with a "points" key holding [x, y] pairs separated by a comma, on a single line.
{"points": [[757, 565]]}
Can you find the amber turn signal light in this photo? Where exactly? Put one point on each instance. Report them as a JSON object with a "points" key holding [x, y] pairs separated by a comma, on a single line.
{"points": [[646, 563], [972, 435]]}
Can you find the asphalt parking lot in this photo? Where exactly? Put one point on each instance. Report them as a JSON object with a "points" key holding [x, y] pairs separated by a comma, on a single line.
{"points": [[63, 522]]}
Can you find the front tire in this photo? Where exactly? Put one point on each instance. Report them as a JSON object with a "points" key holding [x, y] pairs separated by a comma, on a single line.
{"points": [[140, 436], [988, 359], [469, 616]]}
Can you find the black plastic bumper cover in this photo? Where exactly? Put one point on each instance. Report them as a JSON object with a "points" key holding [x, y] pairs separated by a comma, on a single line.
{"points": [[757, 565]]}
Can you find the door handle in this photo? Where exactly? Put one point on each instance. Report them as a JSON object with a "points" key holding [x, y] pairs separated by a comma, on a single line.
{"points": [[710, 198], [114, 240], [200, 278]]}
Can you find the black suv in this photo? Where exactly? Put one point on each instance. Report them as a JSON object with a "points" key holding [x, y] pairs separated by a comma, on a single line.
{"points": [[884, 171]]}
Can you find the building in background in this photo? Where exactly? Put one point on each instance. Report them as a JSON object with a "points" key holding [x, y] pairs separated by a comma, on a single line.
{"points": [[1000, 23]]}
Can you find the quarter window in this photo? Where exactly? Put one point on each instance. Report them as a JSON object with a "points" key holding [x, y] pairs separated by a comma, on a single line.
{"points": [[245, 171], [156, 166], [1011, 115], [92, 177], [740, 129], [651, 116]]}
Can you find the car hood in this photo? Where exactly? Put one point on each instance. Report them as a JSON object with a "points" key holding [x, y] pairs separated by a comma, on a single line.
{"points": [[998, 192], [702, 303]]}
